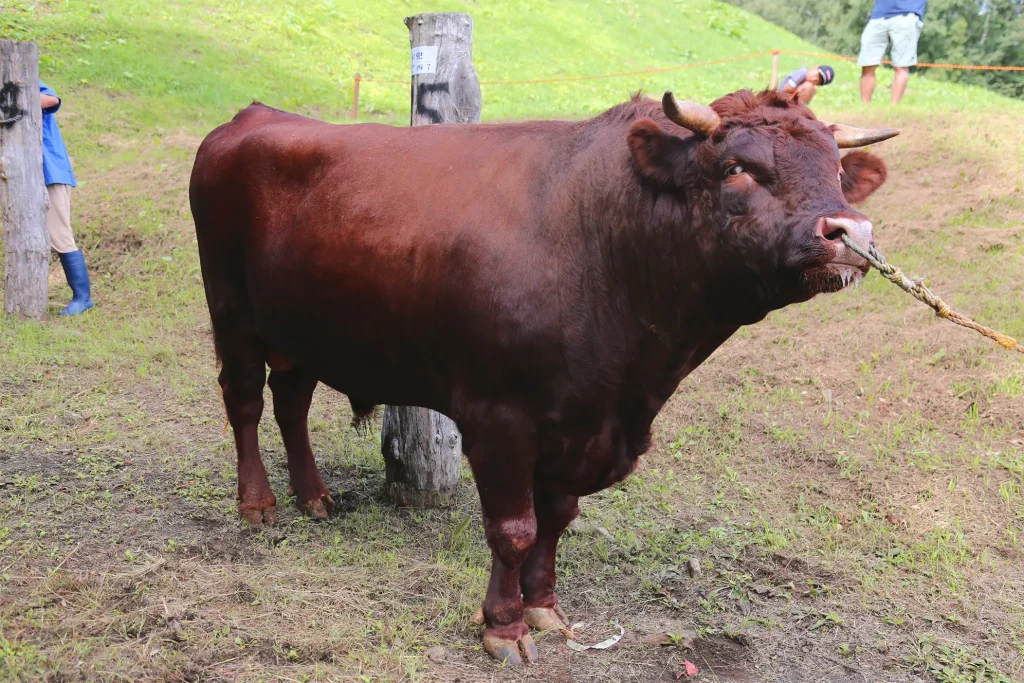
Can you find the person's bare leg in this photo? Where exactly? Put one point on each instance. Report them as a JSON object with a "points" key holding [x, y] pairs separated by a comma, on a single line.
{"points": [[867, 83], [805, 92], [899, 83]]}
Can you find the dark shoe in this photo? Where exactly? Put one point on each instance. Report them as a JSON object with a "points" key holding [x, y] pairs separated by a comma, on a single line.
{"points": [[78, 279]]}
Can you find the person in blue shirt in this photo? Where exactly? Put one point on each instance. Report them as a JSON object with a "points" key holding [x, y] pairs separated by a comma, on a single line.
{"points": [[59, 179], [899, 22]]}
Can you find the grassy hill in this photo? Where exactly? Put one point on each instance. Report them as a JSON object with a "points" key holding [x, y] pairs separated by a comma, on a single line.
{"points": [[154, 64], [849, 472]]}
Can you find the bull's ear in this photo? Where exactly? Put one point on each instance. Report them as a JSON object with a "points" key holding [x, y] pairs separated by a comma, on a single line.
{"points": [[863, 173], [656, 154]]}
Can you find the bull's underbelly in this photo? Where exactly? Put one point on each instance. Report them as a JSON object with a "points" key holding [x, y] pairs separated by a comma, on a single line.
{"points": [[350, 344], [370, 371], [375, 367]]}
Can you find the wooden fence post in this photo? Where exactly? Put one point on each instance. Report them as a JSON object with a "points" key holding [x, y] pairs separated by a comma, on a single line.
{"points": [[445, 88], [23, 198], [355, 97], [775, 71], [423, 449]]}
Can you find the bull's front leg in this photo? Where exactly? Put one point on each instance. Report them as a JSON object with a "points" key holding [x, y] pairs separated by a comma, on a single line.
{"points": [[511, 537], [503, 463], [537, 578]]}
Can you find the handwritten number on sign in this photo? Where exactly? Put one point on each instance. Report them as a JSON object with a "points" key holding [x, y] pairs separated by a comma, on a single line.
{"points": [[424, 60]]}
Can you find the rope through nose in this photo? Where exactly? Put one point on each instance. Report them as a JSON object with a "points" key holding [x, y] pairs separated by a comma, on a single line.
{"points": [[920, 292]]}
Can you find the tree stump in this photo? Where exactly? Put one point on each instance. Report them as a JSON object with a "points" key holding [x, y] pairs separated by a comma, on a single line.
{"points": [[423, 449], [23, 198]]}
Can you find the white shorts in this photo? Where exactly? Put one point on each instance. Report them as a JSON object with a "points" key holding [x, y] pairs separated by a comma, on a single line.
{"points": [[903, 31]]}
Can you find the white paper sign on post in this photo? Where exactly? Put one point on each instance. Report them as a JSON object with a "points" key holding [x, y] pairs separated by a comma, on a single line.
{"points": [[424, 60]]}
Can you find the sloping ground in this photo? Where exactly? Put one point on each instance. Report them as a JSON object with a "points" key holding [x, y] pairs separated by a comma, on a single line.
{"points": [[848, 472]]}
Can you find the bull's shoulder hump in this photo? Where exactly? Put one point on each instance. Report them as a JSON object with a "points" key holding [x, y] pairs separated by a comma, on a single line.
{"points": [[262, 120]]}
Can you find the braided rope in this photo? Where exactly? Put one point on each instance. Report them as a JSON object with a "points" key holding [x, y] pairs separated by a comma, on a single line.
{"points": [[920, 292]]}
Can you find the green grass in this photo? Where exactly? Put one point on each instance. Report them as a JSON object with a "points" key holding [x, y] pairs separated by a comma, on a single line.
{"points": [[146, 66], [849, 472]]}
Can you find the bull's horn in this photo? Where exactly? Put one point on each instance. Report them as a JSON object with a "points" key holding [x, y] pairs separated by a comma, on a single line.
{"points": [[848, 136], [699, 118]]}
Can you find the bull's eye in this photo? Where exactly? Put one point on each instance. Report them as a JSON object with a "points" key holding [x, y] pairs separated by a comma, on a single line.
{"points": [[735, 169]]}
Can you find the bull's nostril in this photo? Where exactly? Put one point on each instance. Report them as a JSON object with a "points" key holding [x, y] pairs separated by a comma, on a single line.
{"points": [[834, 228]]}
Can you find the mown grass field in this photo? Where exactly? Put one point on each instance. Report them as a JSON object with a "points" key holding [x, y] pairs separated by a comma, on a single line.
{"points": [[848, 473]]}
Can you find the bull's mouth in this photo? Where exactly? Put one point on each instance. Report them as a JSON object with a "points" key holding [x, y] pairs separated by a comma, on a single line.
{"points": [[848, 273], [834, 277]]}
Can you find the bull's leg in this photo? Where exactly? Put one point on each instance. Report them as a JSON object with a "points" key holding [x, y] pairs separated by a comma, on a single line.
{"points": [[537, 576], [293, 392], [503, 468], [242, 376]]}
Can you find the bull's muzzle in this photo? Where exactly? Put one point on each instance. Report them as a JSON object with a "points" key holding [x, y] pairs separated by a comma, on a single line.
{"points": [[859, 230]]}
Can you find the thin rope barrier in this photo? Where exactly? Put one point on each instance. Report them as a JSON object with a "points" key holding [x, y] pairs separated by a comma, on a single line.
{"points": [[929, 65], [709, 62]]}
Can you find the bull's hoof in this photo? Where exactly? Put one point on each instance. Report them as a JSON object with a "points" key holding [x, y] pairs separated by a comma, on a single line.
{"points": [[510, 650], [319, 506], [548, 619], [259, 513]]}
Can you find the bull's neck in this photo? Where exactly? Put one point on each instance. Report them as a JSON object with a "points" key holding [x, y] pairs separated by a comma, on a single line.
{"points": [[660, 292], [652, 256]]}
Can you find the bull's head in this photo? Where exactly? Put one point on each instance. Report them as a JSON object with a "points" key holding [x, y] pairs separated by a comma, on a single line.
{"points": [[765, 181]]}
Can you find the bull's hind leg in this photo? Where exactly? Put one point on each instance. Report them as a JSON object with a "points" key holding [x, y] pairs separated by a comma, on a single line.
{"points": [[242, 376], [537, 576], [293, 392]]}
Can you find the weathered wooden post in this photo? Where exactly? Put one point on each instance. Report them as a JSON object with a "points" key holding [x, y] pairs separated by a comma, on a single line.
{"points": [[23, 198], [445, 88], [775, 71], [423, 449], [355, 97]]}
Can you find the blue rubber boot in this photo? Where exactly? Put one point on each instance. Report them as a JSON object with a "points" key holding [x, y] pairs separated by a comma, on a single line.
{"points": [[78, 279]]}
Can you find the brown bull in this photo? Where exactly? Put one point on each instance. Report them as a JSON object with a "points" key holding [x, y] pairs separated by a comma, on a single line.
{"points": [[547, 285]]}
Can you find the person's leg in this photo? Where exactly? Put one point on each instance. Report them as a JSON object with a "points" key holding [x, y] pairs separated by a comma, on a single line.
{"points": [[58, 219], [867, 83], [805, 92], [905, 32], [62, 240], [901, 75], [873, 42]]}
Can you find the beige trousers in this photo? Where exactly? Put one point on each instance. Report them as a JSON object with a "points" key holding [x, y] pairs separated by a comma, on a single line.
{"points": [[58, 219]]}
